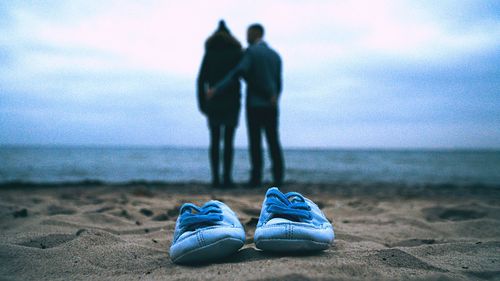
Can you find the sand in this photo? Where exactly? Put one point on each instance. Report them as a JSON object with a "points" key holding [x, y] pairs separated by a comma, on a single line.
{"points": [[101, 232]]}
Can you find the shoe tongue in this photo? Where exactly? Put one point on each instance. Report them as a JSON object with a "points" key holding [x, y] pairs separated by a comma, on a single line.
{"points": [[277, 220]]}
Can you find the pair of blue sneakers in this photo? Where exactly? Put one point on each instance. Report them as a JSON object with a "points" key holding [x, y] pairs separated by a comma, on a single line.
{"points": [[288, 223]]}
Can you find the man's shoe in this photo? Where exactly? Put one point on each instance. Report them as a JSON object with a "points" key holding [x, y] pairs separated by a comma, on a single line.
{"points": [[206, 234], [291, 222]]}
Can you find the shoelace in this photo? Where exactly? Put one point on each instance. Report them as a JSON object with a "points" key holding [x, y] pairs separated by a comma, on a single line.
{"points": [[208, 214], [279, 204]]}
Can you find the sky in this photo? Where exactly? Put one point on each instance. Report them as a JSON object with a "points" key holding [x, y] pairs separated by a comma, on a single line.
{"points": [[357, 74]]}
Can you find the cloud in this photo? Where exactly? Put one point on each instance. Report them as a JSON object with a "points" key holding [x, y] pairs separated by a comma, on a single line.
{"points": [[165, 36], [123, 72]]}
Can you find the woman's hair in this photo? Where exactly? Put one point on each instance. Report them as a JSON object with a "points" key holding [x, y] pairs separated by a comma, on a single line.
{"points": [[222, 39], [222, 27]]}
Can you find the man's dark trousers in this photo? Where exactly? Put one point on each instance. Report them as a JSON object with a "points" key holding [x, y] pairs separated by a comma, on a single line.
{"points": [[258, 119]]}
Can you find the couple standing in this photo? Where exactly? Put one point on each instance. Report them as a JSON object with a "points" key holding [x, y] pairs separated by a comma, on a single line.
{"points": [[219, 93]]}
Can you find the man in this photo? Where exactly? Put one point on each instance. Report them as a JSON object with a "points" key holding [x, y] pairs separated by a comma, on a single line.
{"points": [[261, 69]]}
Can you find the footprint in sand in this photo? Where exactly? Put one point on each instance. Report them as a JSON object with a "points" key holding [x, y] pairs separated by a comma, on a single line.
{"points": [[122, 213], [104, 209], [146, 212], [365, 206], [169, 214], [401, 259], [20, 213], [49, 241], [414, 243], [452, 214], [59, 210], [487, 275]]}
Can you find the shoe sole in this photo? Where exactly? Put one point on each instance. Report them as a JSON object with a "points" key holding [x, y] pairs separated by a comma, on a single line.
{"points": [[290, 245], [217, 250]]}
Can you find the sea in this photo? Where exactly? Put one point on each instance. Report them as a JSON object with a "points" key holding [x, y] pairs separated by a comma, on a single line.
{"points": [[121, 165]]}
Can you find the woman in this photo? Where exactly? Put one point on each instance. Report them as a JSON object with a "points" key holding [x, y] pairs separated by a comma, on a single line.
{"points": [[222, 54]]}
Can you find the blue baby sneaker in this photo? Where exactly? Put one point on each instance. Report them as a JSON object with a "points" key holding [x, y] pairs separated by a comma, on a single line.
{"points": [[291, 222], [206, 234]]}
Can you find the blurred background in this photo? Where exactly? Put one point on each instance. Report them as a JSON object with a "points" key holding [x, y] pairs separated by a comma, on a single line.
{"points": [[391, 90]]}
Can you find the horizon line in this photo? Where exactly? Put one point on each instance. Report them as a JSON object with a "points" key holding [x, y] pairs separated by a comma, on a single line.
{"points": [[312, 148]]}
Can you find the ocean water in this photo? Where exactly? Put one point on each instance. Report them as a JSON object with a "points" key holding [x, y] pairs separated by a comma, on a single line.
{"points": [[166, 164]]}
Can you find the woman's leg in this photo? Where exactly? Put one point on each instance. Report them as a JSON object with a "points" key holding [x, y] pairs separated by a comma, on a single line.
{"points": [[228, 154], [254, 127], [214, 153]]}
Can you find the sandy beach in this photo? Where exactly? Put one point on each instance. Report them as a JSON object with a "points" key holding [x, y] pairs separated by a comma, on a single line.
{"points": [[100, 232]]}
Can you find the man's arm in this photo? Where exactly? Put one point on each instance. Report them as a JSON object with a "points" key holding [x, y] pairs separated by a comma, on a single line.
{"points": [[240, 70], [275, 96]]}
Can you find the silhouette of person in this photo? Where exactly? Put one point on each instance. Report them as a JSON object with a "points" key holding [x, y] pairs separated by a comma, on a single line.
{"points": [[261, 69], [222, 53]]}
